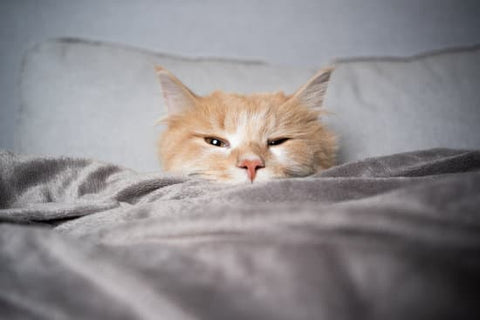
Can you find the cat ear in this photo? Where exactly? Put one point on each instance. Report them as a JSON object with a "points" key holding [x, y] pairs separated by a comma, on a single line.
{"points": [[177, 96], [313, 92]]}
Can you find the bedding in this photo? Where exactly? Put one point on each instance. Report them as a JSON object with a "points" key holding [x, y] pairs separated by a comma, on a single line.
{"points": [[392, 237]]}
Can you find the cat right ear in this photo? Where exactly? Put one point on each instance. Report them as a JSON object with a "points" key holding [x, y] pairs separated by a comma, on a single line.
{"points": [[313, 92], [177, 96]]}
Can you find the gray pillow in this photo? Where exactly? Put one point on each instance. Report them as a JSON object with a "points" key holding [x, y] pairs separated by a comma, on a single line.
{"points": [[384, 106], [97, 100]]}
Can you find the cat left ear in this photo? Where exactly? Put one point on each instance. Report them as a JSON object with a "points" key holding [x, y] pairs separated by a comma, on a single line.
{"points": [[313, 92], [177, 96]]}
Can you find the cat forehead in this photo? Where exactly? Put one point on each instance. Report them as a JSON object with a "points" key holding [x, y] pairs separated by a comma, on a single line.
{"points": [[256, 115], [246, 100], [229, 111]]}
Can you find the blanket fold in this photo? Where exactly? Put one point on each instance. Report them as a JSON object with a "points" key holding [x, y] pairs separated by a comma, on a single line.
{"points": [[394, 237]]}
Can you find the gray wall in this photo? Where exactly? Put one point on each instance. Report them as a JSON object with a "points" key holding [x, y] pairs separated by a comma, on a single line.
{"points": [[293, 32]]}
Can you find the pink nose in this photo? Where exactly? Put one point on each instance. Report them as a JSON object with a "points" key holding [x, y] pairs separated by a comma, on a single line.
{"points": [[251, 166]]}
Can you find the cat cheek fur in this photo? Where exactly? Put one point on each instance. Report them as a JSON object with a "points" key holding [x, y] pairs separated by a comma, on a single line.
{"points": [[293, 161]]}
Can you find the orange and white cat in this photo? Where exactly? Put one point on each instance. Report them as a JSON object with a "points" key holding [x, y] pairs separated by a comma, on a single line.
{"points": [[245, 138]]}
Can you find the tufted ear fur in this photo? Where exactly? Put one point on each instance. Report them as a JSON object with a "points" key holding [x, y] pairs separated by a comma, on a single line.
{"points": [[177, 96], [313, 92]]}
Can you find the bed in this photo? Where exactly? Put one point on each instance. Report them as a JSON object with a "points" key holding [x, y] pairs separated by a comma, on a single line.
{"points": [[392, 232]]}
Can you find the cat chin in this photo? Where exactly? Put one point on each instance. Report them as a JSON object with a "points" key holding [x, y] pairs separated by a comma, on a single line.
{"points": [[241, 176], [235, 176]]}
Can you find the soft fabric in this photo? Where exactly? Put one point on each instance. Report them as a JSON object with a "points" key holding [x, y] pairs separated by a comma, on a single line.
{"points": [[395, 237], [382, 106], [90, 99]]}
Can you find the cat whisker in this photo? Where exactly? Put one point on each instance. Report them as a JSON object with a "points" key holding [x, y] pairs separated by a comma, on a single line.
{"points": [[195, 174], [298, 171], [161, 120], [201, 174]]}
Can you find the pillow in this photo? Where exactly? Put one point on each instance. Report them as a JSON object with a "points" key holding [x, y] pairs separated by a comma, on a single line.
{"points": [[384, 106], [97, 100]]}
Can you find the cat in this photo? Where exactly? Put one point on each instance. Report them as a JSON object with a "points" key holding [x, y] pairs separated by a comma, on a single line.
{"points": [[245, 138]]}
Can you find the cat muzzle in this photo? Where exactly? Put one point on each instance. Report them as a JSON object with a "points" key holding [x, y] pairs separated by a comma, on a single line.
{"points": [[251, 166]]}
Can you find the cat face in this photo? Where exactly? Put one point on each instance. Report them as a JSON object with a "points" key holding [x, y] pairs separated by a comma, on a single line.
{"points": [[245, 138]]}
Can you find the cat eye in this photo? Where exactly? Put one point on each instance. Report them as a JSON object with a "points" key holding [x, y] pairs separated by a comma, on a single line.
{"points": [[276, 142], [216, 142]]}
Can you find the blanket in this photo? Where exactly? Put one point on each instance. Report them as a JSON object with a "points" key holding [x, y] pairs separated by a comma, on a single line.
{"points": [[394, 237]]}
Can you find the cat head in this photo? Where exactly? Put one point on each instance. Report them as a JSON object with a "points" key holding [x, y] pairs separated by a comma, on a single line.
{"points": [[245, 138]]}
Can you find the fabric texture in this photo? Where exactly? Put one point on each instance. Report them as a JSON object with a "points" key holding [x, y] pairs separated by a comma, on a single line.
{"points": [[382, 106], [394, 237]]}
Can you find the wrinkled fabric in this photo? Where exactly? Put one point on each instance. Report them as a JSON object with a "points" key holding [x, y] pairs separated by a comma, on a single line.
{"points": [[395, 237]]}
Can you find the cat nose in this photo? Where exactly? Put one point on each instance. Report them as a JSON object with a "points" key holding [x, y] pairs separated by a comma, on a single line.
{"points": [[251, 166]]}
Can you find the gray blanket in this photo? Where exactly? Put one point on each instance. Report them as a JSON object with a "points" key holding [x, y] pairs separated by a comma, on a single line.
{"points": [[394, 237]]}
